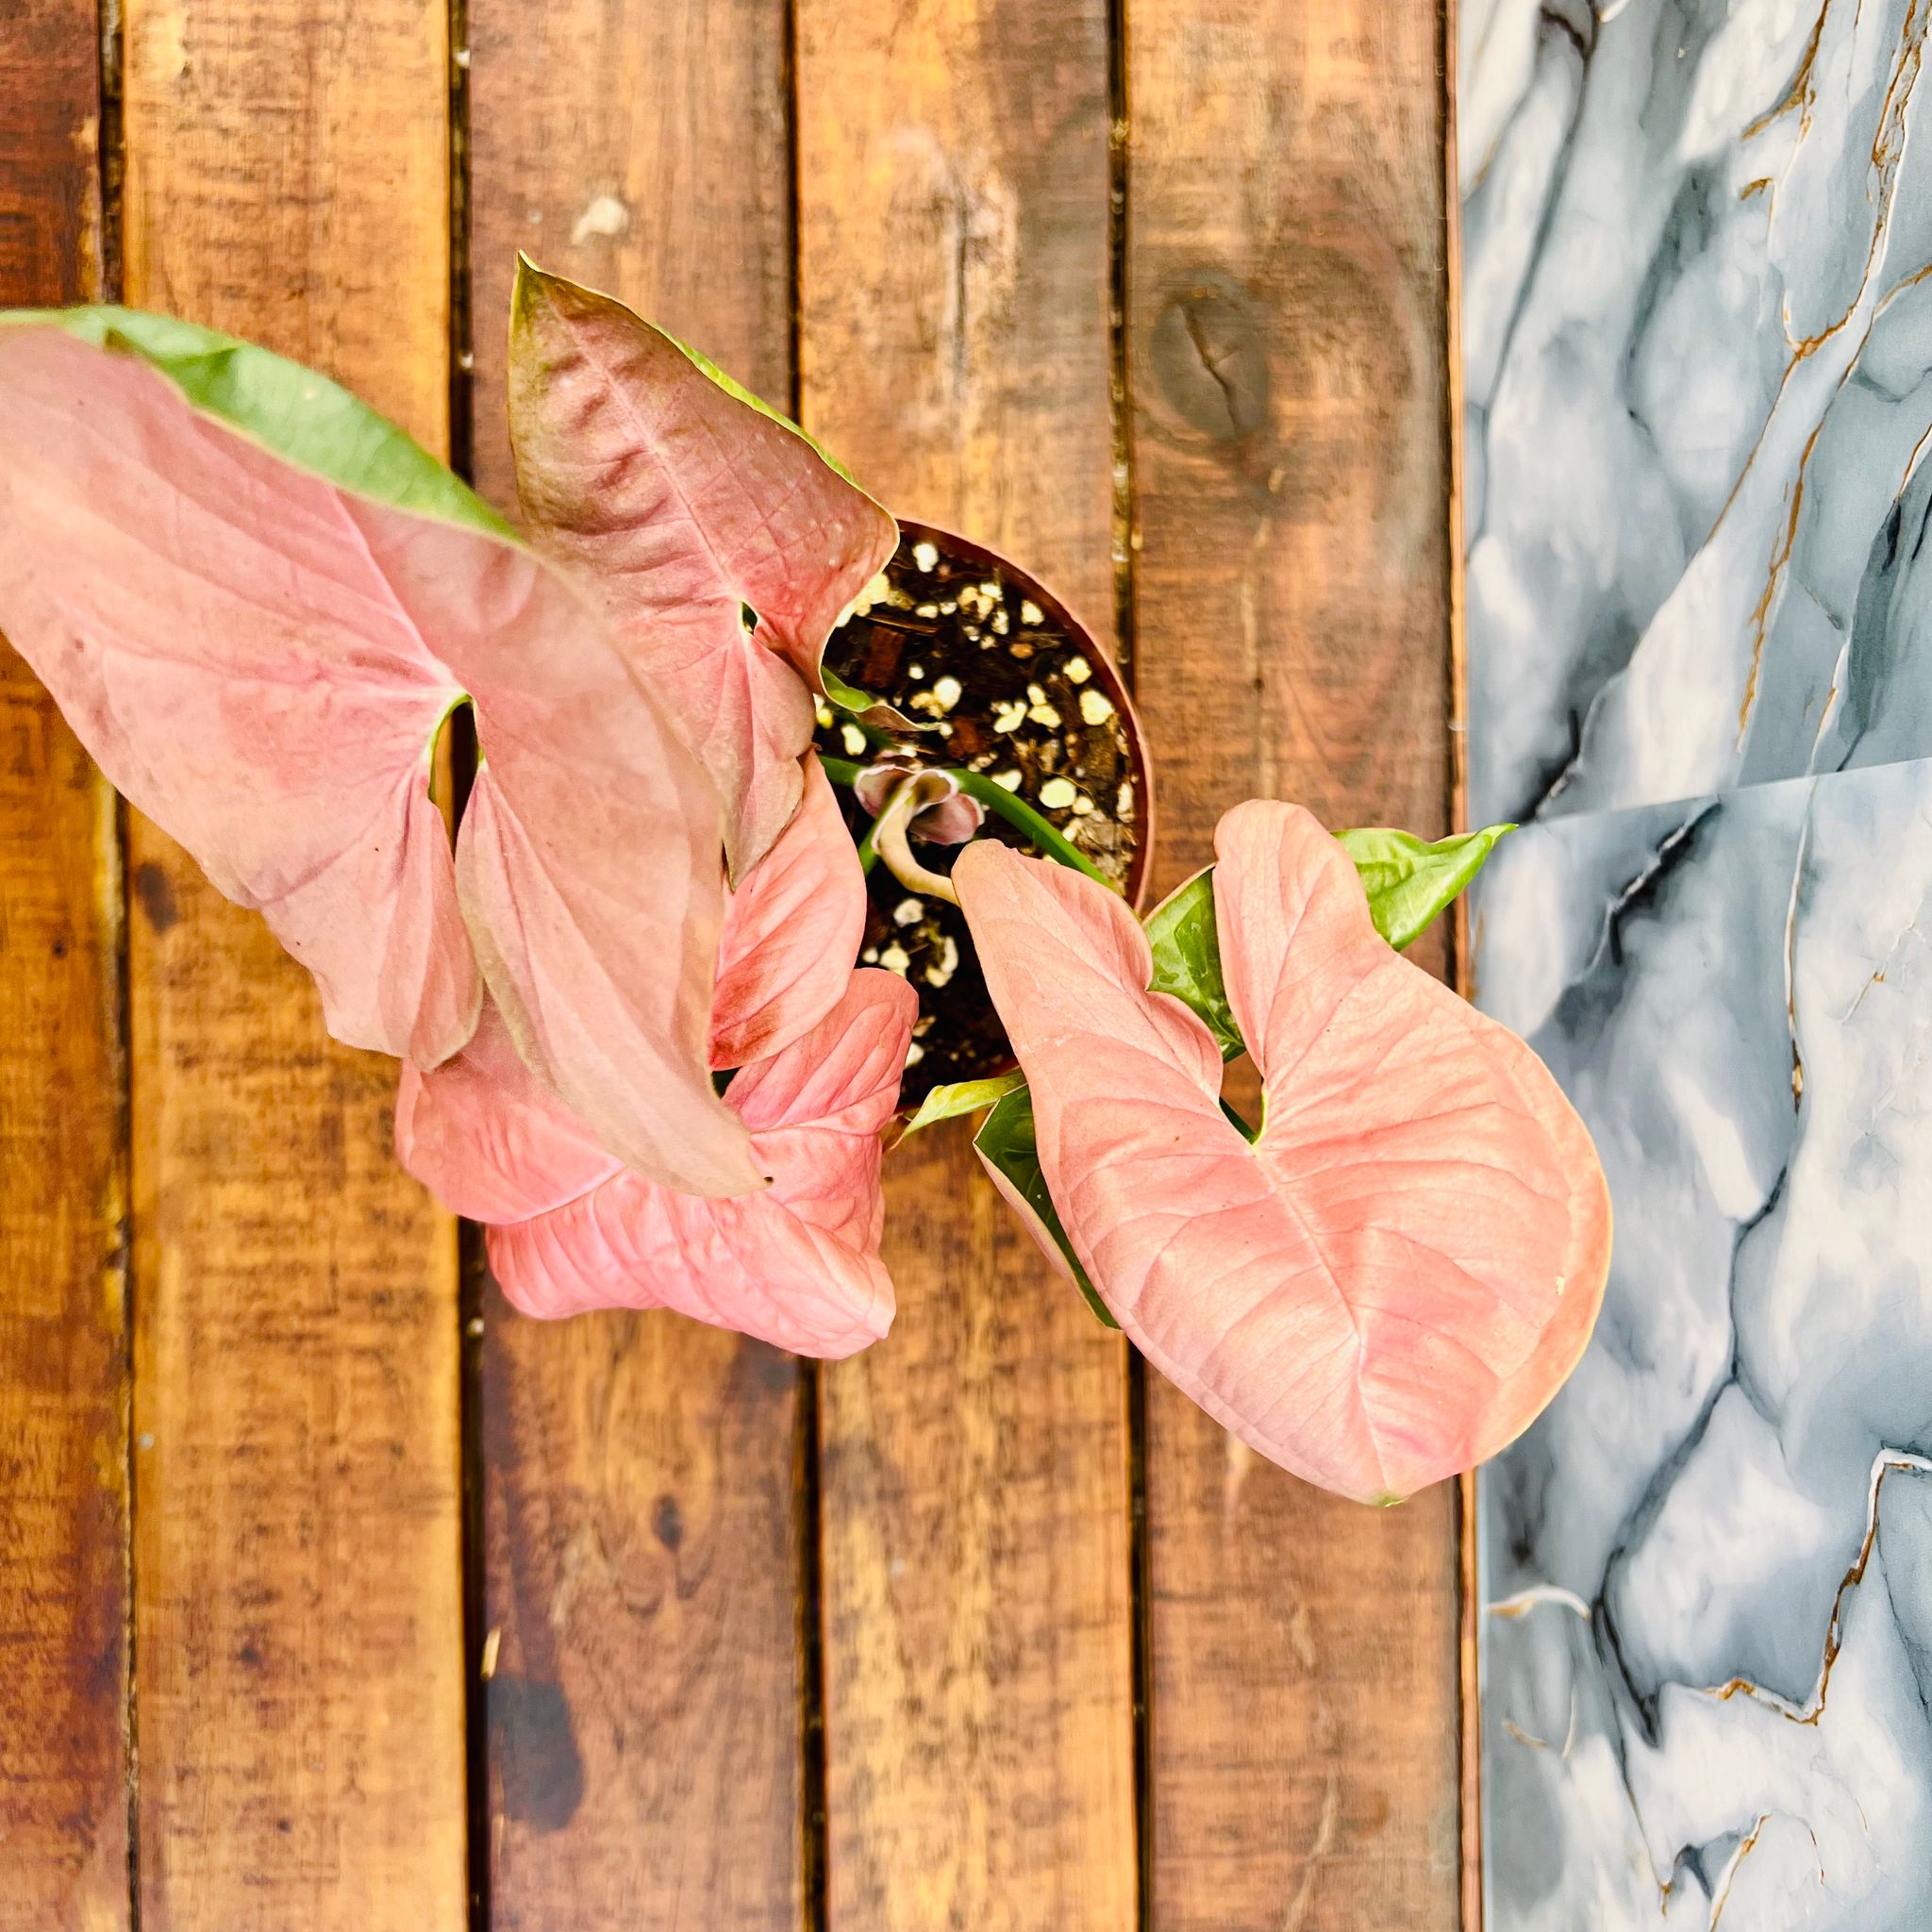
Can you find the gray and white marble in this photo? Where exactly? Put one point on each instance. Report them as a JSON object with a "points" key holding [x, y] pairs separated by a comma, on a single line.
{"points": [[1697, 359], [1707, 1573]]}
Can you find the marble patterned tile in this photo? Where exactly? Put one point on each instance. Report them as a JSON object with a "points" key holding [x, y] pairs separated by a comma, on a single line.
{"points": [[1707, 1573], [1697, 357]]}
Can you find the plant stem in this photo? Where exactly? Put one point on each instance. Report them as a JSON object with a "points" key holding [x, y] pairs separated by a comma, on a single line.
{"points": [[1021, 815], [1047, 837], [889, 838]]}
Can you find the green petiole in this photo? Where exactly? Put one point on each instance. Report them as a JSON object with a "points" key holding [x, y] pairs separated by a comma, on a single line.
{"points": [[1013, 809], [1018, 813], [1009, 804]]}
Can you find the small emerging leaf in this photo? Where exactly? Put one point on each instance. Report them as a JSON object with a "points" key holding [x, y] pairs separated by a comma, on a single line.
{"points": [[1186, 957], [963, 1096], [1409, 882], [1009, 1150], [866, 707]]}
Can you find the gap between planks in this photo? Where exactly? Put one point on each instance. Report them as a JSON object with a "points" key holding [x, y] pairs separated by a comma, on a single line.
{"points": [[811, 1715]]}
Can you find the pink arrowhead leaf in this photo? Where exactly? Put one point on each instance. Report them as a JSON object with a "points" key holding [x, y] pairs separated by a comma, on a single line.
{"points": [[791, 932], [260, 654], [1391, 1282], [222, 647], [492, 1143], [685, 500], [570, 1229], [590, 875]]}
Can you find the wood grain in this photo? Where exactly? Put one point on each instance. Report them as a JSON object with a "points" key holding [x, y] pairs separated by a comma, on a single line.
{"points": [[640, 1500], [644, 1721], [63, 1344], [1287, 359], [298, 1605], [955, 280], [642, 147]]}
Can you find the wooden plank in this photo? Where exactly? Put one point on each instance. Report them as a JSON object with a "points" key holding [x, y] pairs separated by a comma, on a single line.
{"points": [[643, 146], [1468, 1620], [1287, 361], [954, 288], [63, 1344], [644, 1718], [640, 1506], [298, 1636], [50, 189]]}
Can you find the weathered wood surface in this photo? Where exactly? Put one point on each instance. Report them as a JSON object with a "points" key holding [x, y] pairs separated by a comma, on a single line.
{"points": [[644, 1521], [63, 1345], [297, 1564], [650, 1757], [1286, 315], [953, 293]]}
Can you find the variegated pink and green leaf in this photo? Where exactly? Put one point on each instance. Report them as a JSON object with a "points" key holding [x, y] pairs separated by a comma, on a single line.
{"points": [[791, 933], [256, 602], [1394, 1275], [687, 502], [571, 1228]]}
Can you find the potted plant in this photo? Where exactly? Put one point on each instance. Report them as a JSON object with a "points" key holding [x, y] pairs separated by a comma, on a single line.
{"points": [[998, 715], [791, 829]]}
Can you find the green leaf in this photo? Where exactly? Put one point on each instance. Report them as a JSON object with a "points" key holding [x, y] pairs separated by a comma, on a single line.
{"points": [[963, 1096], [299, 415], [1008, 1143], [880, 721], [1409, 882], [1186, 957]]}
